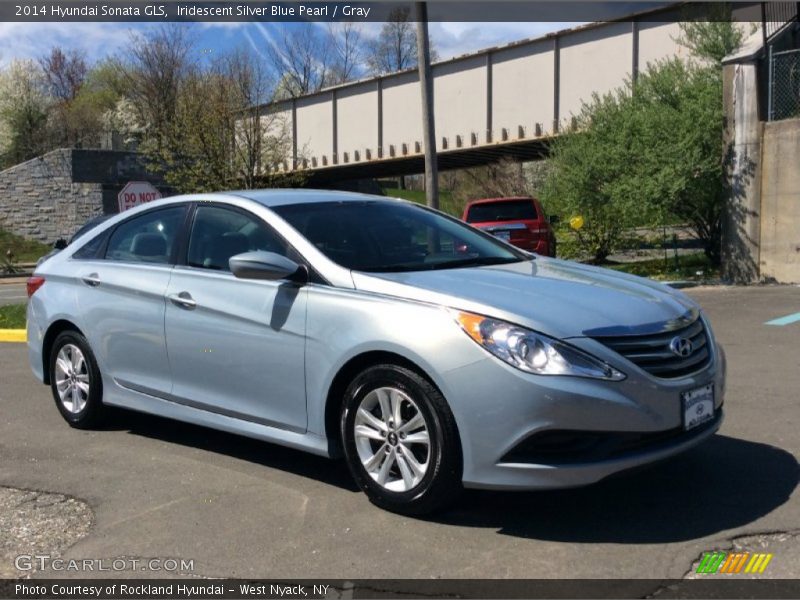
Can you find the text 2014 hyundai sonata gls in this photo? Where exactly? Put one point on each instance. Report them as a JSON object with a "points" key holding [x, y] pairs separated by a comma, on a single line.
{"points": [[431, 355]]}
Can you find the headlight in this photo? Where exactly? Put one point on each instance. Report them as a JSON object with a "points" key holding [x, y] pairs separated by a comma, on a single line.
{"points": [[533, 352]]}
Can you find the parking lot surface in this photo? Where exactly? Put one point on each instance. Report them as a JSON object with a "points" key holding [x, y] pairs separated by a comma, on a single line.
{"points": [[241, 508], [12, 291]]}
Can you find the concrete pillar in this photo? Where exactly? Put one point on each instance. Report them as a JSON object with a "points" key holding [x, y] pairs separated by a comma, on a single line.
{"points": [[556, 83], [335, 123], [635, 52], [294, 133], [380, 117], [741, 223], [779, 257], [489, 85]]}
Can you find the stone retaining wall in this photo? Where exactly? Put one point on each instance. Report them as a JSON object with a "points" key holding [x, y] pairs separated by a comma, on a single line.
{"points": [[51, 196]]}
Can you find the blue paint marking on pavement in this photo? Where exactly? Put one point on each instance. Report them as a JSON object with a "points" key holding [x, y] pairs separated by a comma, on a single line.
{"points": [[787, 320]]}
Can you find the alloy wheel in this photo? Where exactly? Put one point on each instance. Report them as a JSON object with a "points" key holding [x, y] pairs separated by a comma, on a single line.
{"points": [[72, 378], [392, 439]]}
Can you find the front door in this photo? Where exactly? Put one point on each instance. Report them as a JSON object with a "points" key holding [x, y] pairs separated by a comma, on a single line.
{"points": [[236, 347]]}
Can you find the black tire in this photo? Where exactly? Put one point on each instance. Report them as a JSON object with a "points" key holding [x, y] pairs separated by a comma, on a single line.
{"points": [[441, 483], [92, 413]]}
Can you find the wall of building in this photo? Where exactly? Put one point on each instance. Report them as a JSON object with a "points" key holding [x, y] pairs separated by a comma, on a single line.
{"points": [[51, 196], [402, 110], [741, 224], [512, 88], [780, 202], [595, 60], [315, 126], [459, 93], [40, 201], [657, 42], [529, 71], [761, 235], [358, 105]]}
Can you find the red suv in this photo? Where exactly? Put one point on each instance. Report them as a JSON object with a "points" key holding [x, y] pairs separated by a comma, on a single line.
{"points": [[519, 220]]}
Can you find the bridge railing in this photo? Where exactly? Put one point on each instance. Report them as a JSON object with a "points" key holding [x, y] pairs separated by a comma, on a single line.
{"points": [[775, 16]]}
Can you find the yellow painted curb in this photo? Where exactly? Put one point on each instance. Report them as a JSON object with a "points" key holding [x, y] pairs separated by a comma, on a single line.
{"points": [[13, 335]]}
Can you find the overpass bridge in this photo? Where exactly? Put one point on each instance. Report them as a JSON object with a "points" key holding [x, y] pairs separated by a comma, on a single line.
{"points": [[504, 101]]}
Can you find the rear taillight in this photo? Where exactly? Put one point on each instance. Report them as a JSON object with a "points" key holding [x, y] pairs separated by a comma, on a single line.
{"points": [[34, 283]]}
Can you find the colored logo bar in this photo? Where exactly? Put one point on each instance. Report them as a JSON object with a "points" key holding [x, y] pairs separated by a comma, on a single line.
{"points": [[733, 562]]}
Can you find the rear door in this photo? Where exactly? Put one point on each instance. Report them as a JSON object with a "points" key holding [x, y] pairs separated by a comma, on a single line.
{"points": [[236, 347], [120, 291]]}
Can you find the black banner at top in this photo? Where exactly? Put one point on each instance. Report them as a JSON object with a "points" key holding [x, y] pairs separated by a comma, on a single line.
{"points": [[44, 11]]}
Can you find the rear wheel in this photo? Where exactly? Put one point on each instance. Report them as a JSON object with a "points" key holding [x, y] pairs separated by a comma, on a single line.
{"points": [[401, 441], [75, 381]]}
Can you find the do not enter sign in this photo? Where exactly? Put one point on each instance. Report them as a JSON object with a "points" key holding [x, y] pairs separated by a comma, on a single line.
{"points": [[135, 193]]}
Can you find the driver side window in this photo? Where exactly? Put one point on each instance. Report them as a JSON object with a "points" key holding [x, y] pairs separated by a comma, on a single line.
{"points": [[220, 233]]}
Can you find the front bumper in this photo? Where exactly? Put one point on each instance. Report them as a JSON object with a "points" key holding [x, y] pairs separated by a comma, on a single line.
{"points": [[499, 408]]}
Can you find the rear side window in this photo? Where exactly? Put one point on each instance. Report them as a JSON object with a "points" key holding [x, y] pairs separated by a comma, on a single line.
{"points": [[148, 238], [509, 210], [92, 248], [219, 233]]}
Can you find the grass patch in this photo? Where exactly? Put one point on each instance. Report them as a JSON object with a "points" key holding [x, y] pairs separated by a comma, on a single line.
{"points": [[25, 251], [691, 267], [12, 316]]}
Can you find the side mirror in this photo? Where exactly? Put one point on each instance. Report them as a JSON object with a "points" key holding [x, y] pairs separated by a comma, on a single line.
{"points": [[266, 266], [554, 219]]}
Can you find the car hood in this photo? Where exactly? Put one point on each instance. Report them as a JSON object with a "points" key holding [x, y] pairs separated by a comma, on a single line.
{"points": [[559, 298]]}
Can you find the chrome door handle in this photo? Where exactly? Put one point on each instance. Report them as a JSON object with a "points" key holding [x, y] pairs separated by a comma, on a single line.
{"points": [[184, 300], [92, 280]]}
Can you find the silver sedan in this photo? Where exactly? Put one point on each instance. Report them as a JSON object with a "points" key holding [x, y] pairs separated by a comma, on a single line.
{"points": [[428, 354]]}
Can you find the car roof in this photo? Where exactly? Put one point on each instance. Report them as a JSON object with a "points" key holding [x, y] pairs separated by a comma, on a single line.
{"points": [[285, 196], [502, 199]]}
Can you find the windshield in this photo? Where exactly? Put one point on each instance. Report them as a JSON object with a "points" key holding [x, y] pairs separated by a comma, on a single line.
{"points": [[504, 210], [391, 236]]}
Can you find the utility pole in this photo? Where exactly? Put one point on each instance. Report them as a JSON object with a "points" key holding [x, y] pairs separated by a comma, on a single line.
{"points": [[426, 92]]}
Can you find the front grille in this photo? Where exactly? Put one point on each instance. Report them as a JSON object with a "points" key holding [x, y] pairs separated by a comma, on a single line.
{"points": [[653, 354]]}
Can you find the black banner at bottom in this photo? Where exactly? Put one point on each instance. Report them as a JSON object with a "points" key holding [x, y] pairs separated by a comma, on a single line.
{"points": [[220, 589]]}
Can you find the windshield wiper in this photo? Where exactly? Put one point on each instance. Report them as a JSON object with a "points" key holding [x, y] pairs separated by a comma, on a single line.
{"points": [[392, 268], [478, 261]]}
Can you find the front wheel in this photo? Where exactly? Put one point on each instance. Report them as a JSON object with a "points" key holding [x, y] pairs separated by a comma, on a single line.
{"points": [[75, 381], [400, 440]]}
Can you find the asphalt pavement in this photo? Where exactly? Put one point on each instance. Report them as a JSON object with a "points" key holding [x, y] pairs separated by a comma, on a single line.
{"points": [[241, 508], [12, 291]]}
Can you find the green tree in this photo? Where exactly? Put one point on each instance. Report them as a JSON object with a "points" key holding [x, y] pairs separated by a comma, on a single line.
{"points": [[682, 175], [24, 106], [651, 150], [395, 46], [87, 115], [595, 173], [153, 71], [714, 37], [216, 138], [647, 152]]}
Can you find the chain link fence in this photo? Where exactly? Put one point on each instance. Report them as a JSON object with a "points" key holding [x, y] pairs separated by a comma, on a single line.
{"points": [[784, 85]]}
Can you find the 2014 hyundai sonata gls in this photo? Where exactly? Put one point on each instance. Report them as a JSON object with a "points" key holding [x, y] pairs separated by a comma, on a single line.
{"points": [[431, 355]]}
